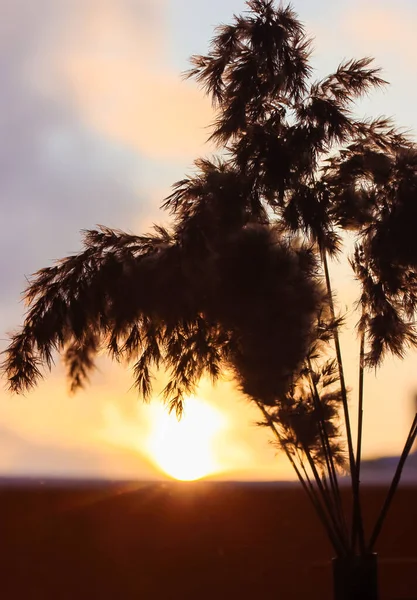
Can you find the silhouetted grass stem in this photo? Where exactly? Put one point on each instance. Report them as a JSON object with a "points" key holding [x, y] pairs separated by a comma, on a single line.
{"points": [[359, 531], [357, 522], [307, 486], [335, 496], [394, 484]]}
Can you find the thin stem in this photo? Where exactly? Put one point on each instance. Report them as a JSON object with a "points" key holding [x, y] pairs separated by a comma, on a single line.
{"points": [[340, 366], [357, 521], [359, 531], [327, 450], [330, 499], [394, 484], [326, 501], [311, 493], [360, 406], [304, 470], [308, 480]]}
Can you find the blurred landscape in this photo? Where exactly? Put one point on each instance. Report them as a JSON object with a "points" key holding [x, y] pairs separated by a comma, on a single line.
{"points": [[73, 539]]}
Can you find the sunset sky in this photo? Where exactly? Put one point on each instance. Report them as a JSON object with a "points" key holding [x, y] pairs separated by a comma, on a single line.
{"points": [[95, 125]]}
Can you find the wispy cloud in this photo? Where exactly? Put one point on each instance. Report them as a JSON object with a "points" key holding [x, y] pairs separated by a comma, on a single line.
{"points": [[85, 106], [112, 68]]}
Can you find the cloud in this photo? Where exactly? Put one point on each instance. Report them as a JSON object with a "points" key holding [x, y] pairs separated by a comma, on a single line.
{"points": [[58, 172], [111, 66]]}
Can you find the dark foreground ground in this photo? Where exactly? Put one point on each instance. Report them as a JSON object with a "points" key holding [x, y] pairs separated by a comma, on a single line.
{"points": [[125, 541]]}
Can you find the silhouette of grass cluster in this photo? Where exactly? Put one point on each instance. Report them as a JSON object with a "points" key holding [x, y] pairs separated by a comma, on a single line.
{"points": [[240, 281], [140, 298]]}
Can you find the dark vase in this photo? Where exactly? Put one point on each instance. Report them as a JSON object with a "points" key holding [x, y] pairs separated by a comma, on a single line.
{"points": [[356, 577]]}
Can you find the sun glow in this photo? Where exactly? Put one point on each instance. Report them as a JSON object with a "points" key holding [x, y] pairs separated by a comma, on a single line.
{"points": [[186, 449]]}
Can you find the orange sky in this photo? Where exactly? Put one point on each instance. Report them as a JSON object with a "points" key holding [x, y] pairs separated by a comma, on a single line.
{"points": [[99, 124]]}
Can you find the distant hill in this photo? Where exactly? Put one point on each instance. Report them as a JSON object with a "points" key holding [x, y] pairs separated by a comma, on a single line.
{"points": [[382, 469]]}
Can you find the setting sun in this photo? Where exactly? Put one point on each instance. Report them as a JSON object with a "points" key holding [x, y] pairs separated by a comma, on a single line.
{"points": [[185, 449]]}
